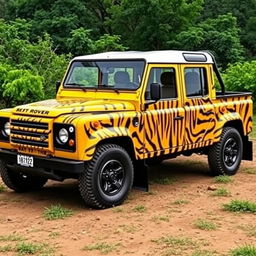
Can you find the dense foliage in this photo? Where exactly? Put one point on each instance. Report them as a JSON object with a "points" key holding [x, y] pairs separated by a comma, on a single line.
{"points": [[37, 38]]}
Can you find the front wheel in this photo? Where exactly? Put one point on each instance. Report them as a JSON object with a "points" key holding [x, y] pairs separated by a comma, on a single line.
{"points": [[225, 156], [107, 178], [18, 181]]}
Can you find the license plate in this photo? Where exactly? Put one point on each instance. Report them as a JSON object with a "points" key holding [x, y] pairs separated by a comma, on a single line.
{"points": [[27, 161]]}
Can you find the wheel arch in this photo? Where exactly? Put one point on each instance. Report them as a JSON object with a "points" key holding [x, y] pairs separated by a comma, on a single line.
{"points": [[237, 124], [124, 142]]}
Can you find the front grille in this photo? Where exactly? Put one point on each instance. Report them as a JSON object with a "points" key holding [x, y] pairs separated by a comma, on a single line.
{"points": [[29, 133]]}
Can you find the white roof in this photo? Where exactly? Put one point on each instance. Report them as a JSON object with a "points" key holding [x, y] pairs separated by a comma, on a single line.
{"points": [[151, 56]]}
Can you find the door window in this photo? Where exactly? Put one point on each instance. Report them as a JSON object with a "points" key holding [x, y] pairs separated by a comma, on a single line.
{"points": [[167, 78], [196, 82]]}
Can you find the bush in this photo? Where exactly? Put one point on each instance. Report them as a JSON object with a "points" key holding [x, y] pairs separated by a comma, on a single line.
{"points": [[241, 77], [19, 86]]}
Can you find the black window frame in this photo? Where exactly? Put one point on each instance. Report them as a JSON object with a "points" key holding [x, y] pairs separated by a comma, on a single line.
{"points": [[103, 88]]}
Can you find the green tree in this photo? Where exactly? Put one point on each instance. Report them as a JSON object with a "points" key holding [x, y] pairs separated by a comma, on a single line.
{"points": [[58, 18], [149, 24], [17, 51], [219, 35], [241, 77], [249, 37], [100, 10], [19, 86], [109, 43], [243, 10], [3, 8], [80, 42]]}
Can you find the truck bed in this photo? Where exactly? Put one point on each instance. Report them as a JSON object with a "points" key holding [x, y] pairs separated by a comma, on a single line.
{"points": [[229, 94]]}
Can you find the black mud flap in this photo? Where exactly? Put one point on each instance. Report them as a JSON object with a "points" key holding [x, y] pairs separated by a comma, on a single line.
{"points": [[140, 175], [248, 150]]}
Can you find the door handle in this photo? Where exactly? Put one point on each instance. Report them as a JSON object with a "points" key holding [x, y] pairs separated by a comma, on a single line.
{"points": [[178, 118]]}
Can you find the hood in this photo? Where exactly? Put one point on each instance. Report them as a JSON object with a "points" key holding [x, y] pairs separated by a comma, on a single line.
{"points": [[54, 108]]}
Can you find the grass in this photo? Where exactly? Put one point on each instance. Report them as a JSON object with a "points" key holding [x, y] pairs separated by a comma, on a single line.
{"points": [[118, 209], [171, 245], [176, 242], [221, 192], [253, 134], [2, 188], [246, 250], [6, 248], [205, 225], [11, 238], [139, 208], [240, 206], [250, 171], [223, 179], [29, 248], [103, 247], [165, 180], [249, 229], [55, 212], [34, 248], [204, 253], [54, 234], [127, 228], [158, 219], [180, 202]]}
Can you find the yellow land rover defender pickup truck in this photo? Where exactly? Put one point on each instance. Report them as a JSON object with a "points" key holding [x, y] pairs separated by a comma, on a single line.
{"points": [[117, 112]]}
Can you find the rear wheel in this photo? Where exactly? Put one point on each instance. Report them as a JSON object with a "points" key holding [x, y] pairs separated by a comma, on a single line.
{"points": [[107, 178], [19, 181], [225, 156]]}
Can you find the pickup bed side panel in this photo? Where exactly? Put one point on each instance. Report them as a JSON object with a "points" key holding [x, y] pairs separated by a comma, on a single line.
{"points": [[230, 109]]}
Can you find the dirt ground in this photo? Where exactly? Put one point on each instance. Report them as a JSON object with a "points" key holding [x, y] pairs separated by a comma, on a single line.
{"points": [[160, 222]]}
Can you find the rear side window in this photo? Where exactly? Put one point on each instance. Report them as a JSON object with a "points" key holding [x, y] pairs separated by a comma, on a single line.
{"points": [[196, 82]]}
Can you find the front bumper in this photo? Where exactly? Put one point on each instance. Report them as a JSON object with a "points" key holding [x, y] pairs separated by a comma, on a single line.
{"points": [[49, 163]]}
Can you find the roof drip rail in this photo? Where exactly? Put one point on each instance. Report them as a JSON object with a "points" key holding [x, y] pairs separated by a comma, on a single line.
{"points": [[216, 70]]}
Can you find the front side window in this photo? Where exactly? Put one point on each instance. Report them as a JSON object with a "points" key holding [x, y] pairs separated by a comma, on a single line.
{"points": [[196, 82], [165, 77], [105, 74]]}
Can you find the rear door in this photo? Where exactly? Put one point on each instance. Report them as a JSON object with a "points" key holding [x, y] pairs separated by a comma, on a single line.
{"points": [[164, 119], [200, 119]]}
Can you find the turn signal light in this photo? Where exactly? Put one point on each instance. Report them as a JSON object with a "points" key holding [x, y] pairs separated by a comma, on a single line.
{"points": [[71, 143]]}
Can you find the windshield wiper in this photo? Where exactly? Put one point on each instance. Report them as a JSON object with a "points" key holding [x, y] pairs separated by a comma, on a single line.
{"points": [[74, 84], [111, 87], [77, 85]]}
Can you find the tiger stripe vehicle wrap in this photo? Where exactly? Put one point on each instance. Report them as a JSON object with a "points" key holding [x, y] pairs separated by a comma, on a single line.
{"points": [[149, 104]]}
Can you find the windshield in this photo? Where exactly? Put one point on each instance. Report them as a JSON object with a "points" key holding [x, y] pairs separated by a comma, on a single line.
{"points": [[105, 74]]}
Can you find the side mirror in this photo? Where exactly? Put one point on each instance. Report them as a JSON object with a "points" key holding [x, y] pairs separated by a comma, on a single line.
{"points": [[58, 83], [155, 91]]}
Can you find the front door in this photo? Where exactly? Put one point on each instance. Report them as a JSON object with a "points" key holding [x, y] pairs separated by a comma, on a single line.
{"points": [[164, 119]]}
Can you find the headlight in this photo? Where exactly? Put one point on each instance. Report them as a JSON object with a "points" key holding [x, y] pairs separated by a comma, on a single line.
{"points": [[7, 128], [63, 135]]}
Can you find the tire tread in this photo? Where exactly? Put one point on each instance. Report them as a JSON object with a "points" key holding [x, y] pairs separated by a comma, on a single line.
{"points": [[214, 155], [85, 180]]}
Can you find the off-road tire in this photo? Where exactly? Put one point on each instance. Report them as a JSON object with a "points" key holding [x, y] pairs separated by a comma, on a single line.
{"points": [[20, 182], [93, 181], [219, 153]]}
